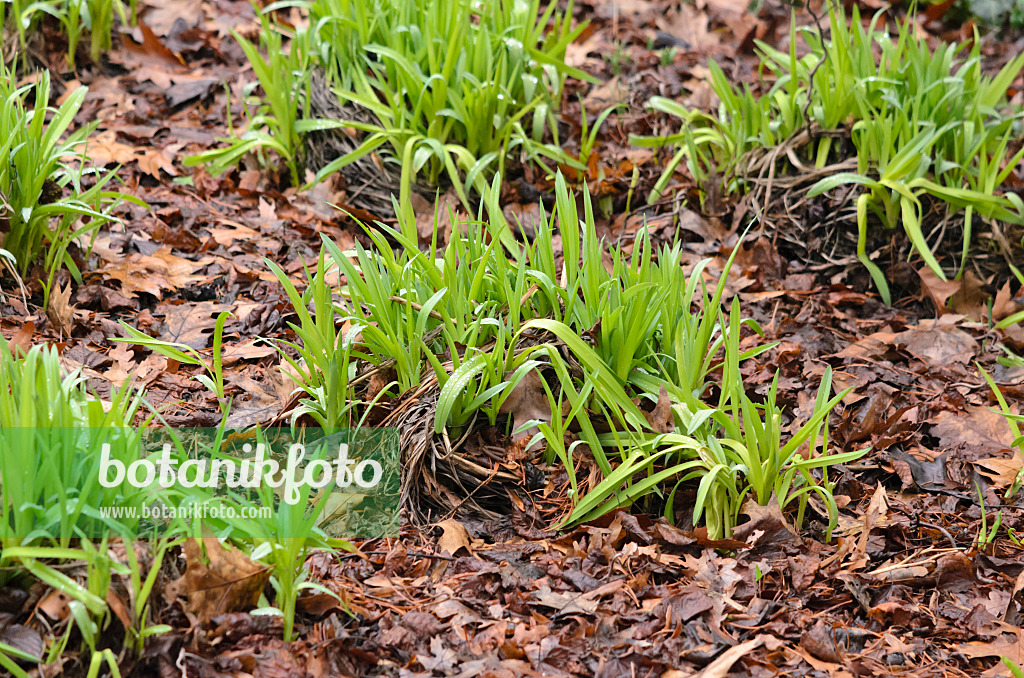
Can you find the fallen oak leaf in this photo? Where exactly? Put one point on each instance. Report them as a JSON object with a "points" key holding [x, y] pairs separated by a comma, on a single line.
{"points": [[231, 582], [262, 405], [21, 342], [154, 274], [1014, 613], [976, 427], [820, 642], [454, 536], [937, 344], [55, 605], [153, 160], [971, 299], [660, 418], [1010, 644], [565, 603], [853, 542], [1004, 305], [232, 231], [105, 149], [253, 349], [1002, 472], [21, 638], [936, 289], [190, 324]]}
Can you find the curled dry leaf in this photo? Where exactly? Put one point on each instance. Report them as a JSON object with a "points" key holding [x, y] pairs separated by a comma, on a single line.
{"points": [[60, 311], [660, 418], [528, 401]]}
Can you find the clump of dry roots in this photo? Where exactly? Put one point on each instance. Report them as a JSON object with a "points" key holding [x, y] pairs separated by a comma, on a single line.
{"points": [[369, 182], [483, 473], [442, 477]]}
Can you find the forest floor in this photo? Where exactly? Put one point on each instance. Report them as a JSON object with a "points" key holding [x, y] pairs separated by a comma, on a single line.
{"points": [[904, 587]]}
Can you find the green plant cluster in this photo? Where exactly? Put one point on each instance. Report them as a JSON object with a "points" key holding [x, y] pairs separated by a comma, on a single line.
{"points": [[454, 86], [480, 316], [275, 121], [53, 434], [477, 319], [923, 125], [43, 203], [76, 17]]}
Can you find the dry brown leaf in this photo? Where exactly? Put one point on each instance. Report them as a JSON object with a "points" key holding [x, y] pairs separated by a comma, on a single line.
{"points": [[1013, 610], [1009, 645], [395, 559], [871, 346], [161, 14], [971, 299], [878, 509], [231, 232], [690, 24], [21, 342], [1001, 471], [119, 608], [938, 344], [565, 603], [853, 542], [660, 418], [611, 92], [105, 149], [820, 642], [767, 526], [1004, 305], [190, 324], [454, 536], [60, 311], [723, 665], [938, 290], [21, 637], [980, 430], [230, 582], [55, 605], [447, 212], [528, 401], [254, 349], [152, 160], [263, 404], [154, 274]]}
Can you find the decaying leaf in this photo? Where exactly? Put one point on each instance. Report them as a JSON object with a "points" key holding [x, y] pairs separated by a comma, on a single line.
{"points": [[225, 580], [1001, 471], [528, 401], [20, 637]]}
